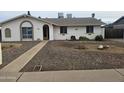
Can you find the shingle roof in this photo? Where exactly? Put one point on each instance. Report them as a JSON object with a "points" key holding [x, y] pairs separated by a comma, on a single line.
{"points": [[63, 21], [74, 21], [119, 21]]}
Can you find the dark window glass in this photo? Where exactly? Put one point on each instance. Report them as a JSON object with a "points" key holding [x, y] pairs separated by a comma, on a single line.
{"points": [[27, 32], [63, 30], [89, 29]]}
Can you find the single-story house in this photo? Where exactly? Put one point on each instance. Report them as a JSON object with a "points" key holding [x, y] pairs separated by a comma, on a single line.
{"points": [[29, 28], [115, 29]]}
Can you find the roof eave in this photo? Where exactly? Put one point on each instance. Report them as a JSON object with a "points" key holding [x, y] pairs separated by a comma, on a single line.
{"points": [[11, 19], [80, 25], [114, 23], [24, 15]]}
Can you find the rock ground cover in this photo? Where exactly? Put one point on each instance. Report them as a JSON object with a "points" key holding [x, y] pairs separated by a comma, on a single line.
{"points": [[62, 55]]}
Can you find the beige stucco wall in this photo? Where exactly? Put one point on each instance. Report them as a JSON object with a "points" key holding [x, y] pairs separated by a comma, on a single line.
{"points": [[15, 29], [54, 31], [77, 31]]}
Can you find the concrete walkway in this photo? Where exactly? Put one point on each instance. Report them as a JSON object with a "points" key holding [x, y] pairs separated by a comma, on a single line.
{"points": [[106, 75], [17, 64]]}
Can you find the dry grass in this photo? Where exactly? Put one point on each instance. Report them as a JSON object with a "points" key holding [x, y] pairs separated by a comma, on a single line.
{"points": [[6, 46]]}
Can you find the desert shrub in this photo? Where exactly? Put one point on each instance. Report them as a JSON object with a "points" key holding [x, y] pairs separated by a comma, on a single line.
{"points": [[99, 38], [82, 38], [73, 38]]}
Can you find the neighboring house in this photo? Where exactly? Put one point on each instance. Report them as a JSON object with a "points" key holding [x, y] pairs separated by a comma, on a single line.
{"points": [[116, 29], [29, 28]]}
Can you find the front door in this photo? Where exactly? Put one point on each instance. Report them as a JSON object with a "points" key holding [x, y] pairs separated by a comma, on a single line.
{"points": [[46, 32]]}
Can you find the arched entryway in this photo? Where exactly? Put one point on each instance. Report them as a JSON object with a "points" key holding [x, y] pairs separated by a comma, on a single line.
{"points": [[45, 32]]}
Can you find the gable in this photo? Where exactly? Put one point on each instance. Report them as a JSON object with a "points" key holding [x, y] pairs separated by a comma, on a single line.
{"points": [[119, 21], [21, 17]]}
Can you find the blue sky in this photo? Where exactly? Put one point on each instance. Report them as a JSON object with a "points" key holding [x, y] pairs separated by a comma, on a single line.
{"points": [[106, 16]]}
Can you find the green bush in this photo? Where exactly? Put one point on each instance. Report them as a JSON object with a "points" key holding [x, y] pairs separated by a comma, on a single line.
{"points": [[73, 38], [82, 38], [99, 38]]}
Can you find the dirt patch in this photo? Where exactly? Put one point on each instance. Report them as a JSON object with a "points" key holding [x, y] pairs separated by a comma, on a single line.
{"points": [[94, 47], [13, 50], [62, 55], [6, 46]]}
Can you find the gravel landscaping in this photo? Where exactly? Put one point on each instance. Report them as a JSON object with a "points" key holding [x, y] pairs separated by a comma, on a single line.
{"points": [[62, 55], [12, 50]]}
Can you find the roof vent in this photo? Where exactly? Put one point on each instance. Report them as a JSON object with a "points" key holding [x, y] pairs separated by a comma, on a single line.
{"points": [[29, 13], [60, 15], [69, 15], [39, 17], [93, 15]]}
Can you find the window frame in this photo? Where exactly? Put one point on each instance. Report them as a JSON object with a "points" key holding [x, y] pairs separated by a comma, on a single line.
{"points": [[89, 29], [63, 29], [8, 33], [26, 34]]}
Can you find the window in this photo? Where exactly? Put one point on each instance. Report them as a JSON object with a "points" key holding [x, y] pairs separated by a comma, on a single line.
{"points": [[7, 33], [89, 29], [63, 30], [27, 32]]}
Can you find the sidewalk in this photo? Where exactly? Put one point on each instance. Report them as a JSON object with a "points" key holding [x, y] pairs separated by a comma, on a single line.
{"points": [[21, 61], [106, 75]]}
